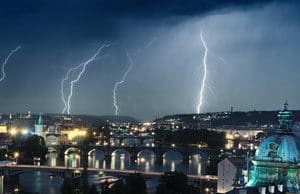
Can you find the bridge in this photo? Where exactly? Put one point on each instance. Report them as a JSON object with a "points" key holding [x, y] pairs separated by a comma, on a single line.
{"points": [[63, 171], [158, 151]]}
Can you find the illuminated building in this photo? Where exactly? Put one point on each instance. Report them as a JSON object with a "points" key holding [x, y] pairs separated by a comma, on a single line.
{"points": [[240, 137], [38, 127], [70, 132], [72, 136], [230, 172], [3, 129], [51, 138], [276, 164]]}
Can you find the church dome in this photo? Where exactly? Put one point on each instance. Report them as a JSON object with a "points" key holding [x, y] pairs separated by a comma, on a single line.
{"points": [[277, 159], [283, 146], [279, 148]]}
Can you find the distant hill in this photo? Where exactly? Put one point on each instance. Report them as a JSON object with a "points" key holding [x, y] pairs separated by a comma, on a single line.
{"points": [[105, 118], [231, 118]]}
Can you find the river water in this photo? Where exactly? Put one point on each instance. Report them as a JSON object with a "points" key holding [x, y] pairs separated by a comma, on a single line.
{"points": [[41, 182]]}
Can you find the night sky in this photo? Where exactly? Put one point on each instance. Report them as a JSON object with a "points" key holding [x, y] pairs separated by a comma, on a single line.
{"points": [[253, 59]]}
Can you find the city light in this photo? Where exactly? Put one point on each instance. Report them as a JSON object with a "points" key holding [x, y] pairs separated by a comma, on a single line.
{"points": [[76, 133], [24, 131], [16, 154], [13, 131]]}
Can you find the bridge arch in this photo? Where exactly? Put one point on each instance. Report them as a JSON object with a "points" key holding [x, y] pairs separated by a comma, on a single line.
{"points": [[120, 151], [72, 150], [173, 156], [146, 154], [198, 155], [97, 154], [195, 156]]}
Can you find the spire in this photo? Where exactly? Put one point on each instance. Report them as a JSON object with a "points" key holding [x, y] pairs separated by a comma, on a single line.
{"points": [[40, 120], [285, 119], [286, 105]]}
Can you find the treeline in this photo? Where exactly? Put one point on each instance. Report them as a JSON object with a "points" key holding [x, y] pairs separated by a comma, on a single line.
{"points": [[169, 183], [186, 137]]}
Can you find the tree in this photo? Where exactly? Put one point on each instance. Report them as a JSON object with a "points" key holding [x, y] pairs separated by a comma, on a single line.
{"points": [[93, 189], [35, 146], [174, 183], [3, 154], [67, 187], [118, 188], [136, 184]]}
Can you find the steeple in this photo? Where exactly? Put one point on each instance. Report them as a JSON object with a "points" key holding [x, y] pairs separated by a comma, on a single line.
{"points": [[285, 119], [40, 120]]}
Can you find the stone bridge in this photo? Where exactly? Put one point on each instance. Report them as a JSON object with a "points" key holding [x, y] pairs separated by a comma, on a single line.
{"points": [[158, 152]]}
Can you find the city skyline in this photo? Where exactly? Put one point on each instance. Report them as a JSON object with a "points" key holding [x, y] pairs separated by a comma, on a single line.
{"points": [[252, 56]]}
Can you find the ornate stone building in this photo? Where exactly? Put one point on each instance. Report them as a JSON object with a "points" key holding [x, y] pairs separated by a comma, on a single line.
{"points": [[277, 160]]}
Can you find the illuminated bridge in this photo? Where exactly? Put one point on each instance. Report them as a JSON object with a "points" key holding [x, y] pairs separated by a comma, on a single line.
{"points": [[7, 170]]}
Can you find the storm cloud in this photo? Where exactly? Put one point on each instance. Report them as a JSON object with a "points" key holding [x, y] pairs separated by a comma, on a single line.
{"points": [[257, 39]]}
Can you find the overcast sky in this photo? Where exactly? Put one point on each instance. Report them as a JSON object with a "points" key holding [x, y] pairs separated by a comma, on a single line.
{"points": [[253, 58]]}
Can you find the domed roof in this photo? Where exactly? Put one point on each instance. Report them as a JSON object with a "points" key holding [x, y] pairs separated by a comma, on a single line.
{"points": [[279, 148], [283, 146]]}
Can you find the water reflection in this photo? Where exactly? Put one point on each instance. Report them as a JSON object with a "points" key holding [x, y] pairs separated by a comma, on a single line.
{"points": [[38, 182], [195, 167], [52, 159], [72, 160], [120, 159], [96, 158], [172, 161], [146, 160], [1, 184]]}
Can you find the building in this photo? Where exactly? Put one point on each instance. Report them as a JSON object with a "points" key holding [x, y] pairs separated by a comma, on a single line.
{"points": [[3, 128], [51, 137], [230, 173], [38, 127], [276, 164]]}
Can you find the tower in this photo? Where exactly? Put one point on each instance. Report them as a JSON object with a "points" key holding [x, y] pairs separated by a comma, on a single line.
{"points": [[38, 127]]}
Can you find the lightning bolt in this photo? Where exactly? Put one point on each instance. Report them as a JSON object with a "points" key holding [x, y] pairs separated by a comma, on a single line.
{"points": [[62, 86], [203, 84], [6, 60], [118, 83], [150, 43], [83, 68]]}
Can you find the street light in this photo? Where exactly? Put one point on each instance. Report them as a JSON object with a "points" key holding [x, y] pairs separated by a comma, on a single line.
{"points": [[16, 155], [13, 132], [142, 163], [206, 190]]}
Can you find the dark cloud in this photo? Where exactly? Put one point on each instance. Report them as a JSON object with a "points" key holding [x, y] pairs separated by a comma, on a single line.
{"points": [[57, 34], [137, 8]]}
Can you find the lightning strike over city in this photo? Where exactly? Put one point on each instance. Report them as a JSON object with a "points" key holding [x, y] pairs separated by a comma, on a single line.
{"points": [[83, 65], [6, 61], [203, 82], [117, 84], [156, 110]]}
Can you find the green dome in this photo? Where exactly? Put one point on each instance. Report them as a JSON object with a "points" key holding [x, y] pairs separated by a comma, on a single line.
{"points": [[277, 159], [279, 148]]}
